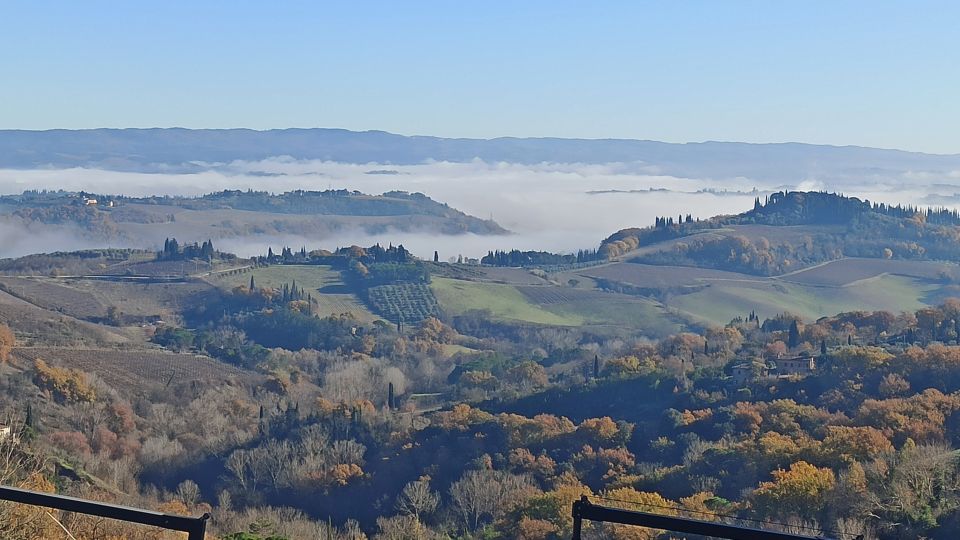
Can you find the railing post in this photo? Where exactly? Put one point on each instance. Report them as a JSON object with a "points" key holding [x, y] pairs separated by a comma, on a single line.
{"points": [[578, 517], [199, 530]]}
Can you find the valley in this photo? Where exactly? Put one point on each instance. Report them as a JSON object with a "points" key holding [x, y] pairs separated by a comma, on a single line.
{"points": [[636, 376]]}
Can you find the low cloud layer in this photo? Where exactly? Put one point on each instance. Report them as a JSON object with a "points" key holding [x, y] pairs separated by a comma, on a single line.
{"points": [[549, 206]]}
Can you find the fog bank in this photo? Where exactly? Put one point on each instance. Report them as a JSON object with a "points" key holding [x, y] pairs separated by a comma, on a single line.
{"points": [[557, 207]]}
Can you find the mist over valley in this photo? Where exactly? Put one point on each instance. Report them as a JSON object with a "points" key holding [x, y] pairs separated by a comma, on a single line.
{"points": [[558, 207]]}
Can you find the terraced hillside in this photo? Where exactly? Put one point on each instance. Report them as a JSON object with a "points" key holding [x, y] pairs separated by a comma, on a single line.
{"points": [[37, 326], [141, 369]]}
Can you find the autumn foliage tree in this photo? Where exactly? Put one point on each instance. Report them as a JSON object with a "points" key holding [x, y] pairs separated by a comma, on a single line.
{"points": [[69, 385], [798, 491], [7, 341]]}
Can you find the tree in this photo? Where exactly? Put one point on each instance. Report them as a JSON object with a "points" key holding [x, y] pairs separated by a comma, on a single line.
{"points": [[417, 499], [486, 495], [855, 443], [25, 470], [436, 256], [253, 285], [401, 528], [240, 463], [189, 493], [794, 338], [916, 485], [798, 491], [114, 316], [528, 375], [7, 341]]}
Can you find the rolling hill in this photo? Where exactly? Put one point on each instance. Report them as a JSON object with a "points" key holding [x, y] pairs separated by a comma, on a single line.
{"points": [[103, 219]]}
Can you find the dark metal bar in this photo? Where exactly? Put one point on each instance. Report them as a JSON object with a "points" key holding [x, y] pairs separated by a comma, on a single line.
{"points": [[584, 509], [577, 522], [195, 527]]}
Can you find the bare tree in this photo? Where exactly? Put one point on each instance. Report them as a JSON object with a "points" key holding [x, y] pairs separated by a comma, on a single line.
{"points": [[189, 493], [486, 495], [417, 499], [241, 465], [346, 452], [398, 528], [19, 467], [271, 462], [352, 531], [914, 483]]}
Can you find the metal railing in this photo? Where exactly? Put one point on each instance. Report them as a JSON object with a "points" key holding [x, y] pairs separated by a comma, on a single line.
{"points": [[194, 527], [584, 509]]}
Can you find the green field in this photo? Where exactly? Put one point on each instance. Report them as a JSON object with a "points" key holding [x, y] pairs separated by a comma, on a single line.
{"points": [[310, 277], [620, 310], [560, 306], [598, 308], [504, 301], [722, 301], [313, 279]]}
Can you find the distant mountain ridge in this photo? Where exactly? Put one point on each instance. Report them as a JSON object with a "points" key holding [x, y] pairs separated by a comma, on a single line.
{"points": [[185, 150]]}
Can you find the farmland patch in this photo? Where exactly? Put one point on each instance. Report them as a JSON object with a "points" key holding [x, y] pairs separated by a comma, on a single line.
{"points": [[505, 302], [407, 302], [134, 368]]}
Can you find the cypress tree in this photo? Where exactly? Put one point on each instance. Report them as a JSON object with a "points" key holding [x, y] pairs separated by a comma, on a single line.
{"points": [[596, 366], [253, 285], [390, 397], [436, 256], [823, 347], [794, 337], [260, 423]]}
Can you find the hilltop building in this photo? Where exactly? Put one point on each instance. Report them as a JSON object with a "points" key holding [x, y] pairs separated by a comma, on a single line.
{"points": [[801, 366], [746, 371]]}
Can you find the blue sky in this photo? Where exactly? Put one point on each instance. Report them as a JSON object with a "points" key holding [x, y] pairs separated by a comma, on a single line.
{"points": [[874, 73]]}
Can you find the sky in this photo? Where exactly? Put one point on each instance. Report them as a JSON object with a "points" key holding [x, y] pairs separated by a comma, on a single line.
{"points": [[868, 73]]}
